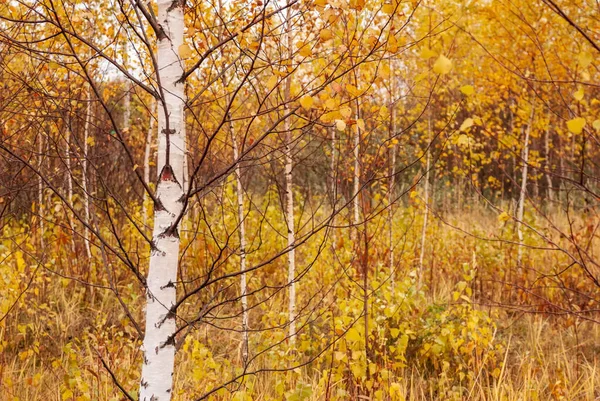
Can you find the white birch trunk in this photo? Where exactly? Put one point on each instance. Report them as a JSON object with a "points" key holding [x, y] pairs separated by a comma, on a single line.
{"points": [[289, 193], [332, 187], [426, 211], [523, 192], [68, 161], [159, 342], [84, 181], [147, 151], [41, 189], [242, 236], [356, 188], [392, 173]]}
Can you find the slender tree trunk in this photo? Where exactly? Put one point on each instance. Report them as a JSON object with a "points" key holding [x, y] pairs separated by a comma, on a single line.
{"points": [[426, 211], [356, 187], [289, 194], [242, 236], [547, 162], [332, 185], [68, 160], [392, 174], [523, 191], [159, 341], [41, 188], [147, 152], [84, 179]]}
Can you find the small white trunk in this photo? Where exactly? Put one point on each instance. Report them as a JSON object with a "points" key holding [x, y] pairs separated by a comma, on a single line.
{"points": [[68, 160], [242, 235], [392, 173], [356, 189], [289, 194], [523, 192], [84, 181], [289, 215], [332, 185], [159, 342], [426, 211], [41, 189]]}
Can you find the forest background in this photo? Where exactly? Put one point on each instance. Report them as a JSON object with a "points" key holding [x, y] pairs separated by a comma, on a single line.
{"points": [[309, 200]]}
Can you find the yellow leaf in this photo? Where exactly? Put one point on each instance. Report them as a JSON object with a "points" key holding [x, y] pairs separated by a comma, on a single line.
{"points": [[576, 125], [503, 217], [442, 65], [596, 125], [303, 49], [185, 51], [330, 103], [353, 335], [462, 140], [468, 123], [254, 45], [360, 123], [392, 45], [325, 34], [340, 125], [579, 94], [352, 90], [295, 89], [272, 82], [427, 53], [394, 333], [307, 102], [346, 112], [388, 8], [584, 59], [467, 90]]}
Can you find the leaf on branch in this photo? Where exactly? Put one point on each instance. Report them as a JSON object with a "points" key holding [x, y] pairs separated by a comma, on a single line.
{"points": [[427, 53], [467, 90], [576, 125], [307, 102], [468, 123], [442, 65], [185, 51], [584, 59]]}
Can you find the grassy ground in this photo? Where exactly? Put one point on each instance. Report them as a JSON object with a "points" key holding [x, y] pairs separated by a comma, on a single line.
{"points": [[446, 339]]}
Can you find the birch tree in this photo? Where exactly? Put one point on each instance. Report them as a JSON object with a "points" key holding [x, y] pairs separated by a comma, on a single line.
{"points": [[159, 342]]}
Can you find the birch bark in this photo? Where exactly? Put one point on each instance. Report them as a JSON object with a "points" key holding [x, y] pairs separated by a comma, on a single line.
{"points": [[523, 191], [147, 151], [159, 342], [84, 179], [289, 194]]}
